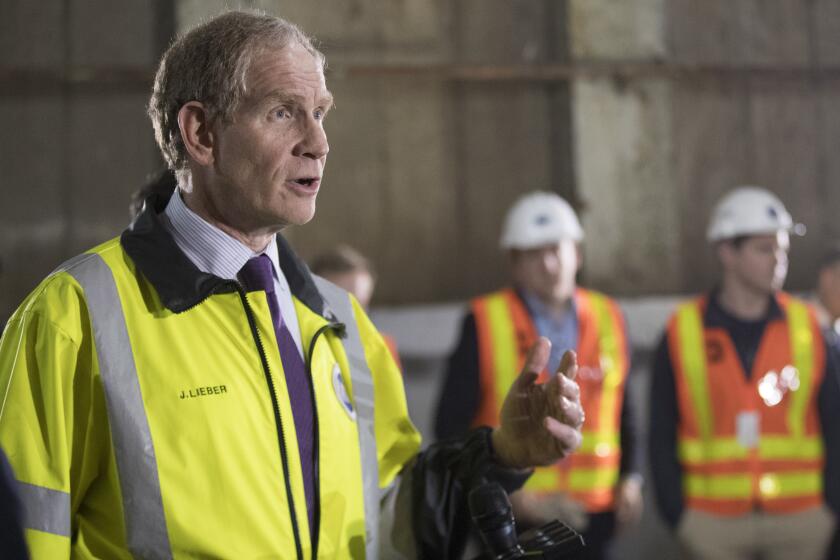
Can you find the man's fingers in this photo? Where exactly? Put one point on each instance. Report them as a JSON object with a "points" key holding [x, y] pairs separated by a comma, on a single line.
{"points": [[564, 387], [572, 412], [567, 437], [568, 365], [525, 380], [538, 355]]}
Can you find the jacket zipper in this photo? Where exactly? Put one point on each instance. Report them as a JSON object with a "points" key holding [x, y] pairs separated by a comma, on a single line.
{"points": [[339, 329], [277, 420], [316, 525]]}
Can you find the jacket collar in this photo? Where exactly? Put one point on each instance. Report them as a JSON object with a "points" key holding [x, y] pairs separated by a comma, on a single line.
{"points": [[176, 279]]}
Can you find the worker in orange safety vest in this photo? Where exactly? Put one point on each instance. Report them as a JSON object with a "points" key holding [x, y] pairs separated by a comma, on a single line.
{"points": [[744, 418], [599, 487]]}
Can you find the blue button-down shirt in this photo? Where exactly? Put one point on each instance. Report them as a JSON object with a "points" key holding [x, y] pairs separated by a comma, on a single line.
{"points": [[561, 330]]}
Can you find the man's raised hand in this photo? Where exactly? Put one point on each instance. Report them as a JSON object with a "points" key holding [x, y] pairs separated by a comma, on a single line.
{"points": [[540, 423]]}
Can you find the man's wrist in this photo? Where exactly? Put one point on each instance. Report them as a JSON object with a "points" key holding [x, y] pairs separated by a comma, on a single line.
{"points": [[499, 454], [495, 466]]}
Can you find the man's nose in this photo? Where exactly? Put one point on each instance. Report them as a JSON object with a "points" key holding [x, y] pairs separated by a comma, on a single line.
{"points": [[314, 142], [551, 262]]}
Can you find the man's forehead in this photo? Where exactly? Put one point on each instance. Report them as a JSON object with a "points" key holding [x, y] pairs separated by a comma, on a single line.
{"points": [[780, 238], [291, 69]]}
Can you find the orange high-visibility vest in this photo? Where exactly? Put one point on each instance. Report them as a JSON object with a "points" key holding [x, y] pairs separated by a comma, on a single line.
{"points": [[781, 470], [506, 332]]}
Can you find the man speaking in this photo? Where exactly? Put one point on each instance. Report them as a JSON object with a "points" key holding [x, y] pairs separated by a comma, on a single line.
{"points": [[191, 390]]}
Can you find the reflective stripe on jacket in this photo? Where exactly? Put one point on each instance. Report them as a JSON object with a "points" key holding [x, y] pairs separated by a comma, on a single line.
{"points": [[142, 421], [746, 443], [506, 332]]}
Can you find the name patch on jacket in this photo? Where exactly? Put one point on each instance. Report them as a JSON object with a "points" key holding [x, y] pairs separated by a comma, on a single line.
{"points": [[203, 391]]}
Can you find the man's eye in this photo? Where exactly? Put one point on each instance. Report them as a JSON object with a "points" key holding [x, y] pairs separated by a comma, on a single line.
{"points": [[319, 114], [281, 113]]}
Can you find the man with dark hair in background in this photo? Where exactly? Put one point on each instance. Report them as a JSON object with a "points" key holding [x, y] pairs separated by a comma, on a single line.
{"points": [[744, 433], [348, 269], [827, 294], [827, 303]]}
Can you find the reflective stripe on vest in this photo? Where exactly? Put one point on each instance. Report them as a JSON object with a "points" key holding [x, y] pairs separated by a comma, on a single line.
{"points": [[44, 509], [802, 349], [363, 397], [613, 363], [807, 448], [721, 468], [499, 327], [740, 486], [134, 451]]}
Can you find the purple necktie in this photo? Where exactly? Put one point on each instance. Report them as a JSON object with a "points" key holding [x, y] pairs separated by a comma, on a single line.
{"points": [[257, 275]]}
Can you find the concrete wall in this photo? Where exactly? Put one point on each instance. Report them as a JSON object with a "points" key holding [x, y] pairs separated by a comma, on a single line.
{"points": [[75, 141], [642, 114], [423, 161], [701, 97]]}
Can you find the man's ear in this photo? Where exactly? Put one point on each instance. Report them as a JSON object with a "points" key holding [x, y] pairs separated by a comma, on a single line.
{"points": [[726, 253], [195, 126]]}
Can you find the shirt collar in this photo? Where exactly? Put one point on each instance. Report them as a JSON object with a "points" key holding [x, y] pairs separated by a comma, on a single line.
{"points": [[149, 243], [212, 250], [541, 310], [716, 315]]}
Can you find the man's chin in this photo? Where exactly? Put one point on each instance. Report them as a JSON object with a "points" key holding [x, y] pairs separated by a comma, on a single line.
{"points": [[562, 295], [297, 216]]}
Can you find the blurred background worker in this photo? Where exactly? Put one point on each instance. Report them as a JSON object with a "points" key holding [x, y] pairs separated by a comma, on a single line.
{"points": [[827, 300], [600, 483], [347, 268], [827, 304], [744, 413]]}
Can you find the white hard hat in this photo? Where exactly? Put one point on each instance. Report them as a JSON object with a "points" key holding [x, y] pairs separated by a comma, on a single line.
{"points": [[750, 210], [537, 219]]}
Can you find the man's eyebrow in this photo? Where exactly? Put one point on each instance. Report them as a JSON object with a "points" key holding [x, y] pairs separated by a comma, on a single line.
{"points": [[285, 98]]}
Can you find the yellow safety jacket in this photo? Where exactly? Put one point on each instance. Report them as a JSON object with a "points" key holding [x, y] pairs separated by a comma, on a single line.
{"points": [[749, 442], [145, 413], [506, 332]]}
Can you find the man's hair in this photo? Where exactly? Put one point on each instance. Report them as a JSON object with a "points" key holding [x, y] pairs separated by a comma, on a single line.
{"points": [[340, 260], [210, 64], [737, 242]]}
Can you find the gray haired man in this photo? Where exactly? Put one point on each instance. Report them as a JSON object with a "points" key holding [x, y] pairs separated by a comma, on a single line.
{"points": [[191, 390]]}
